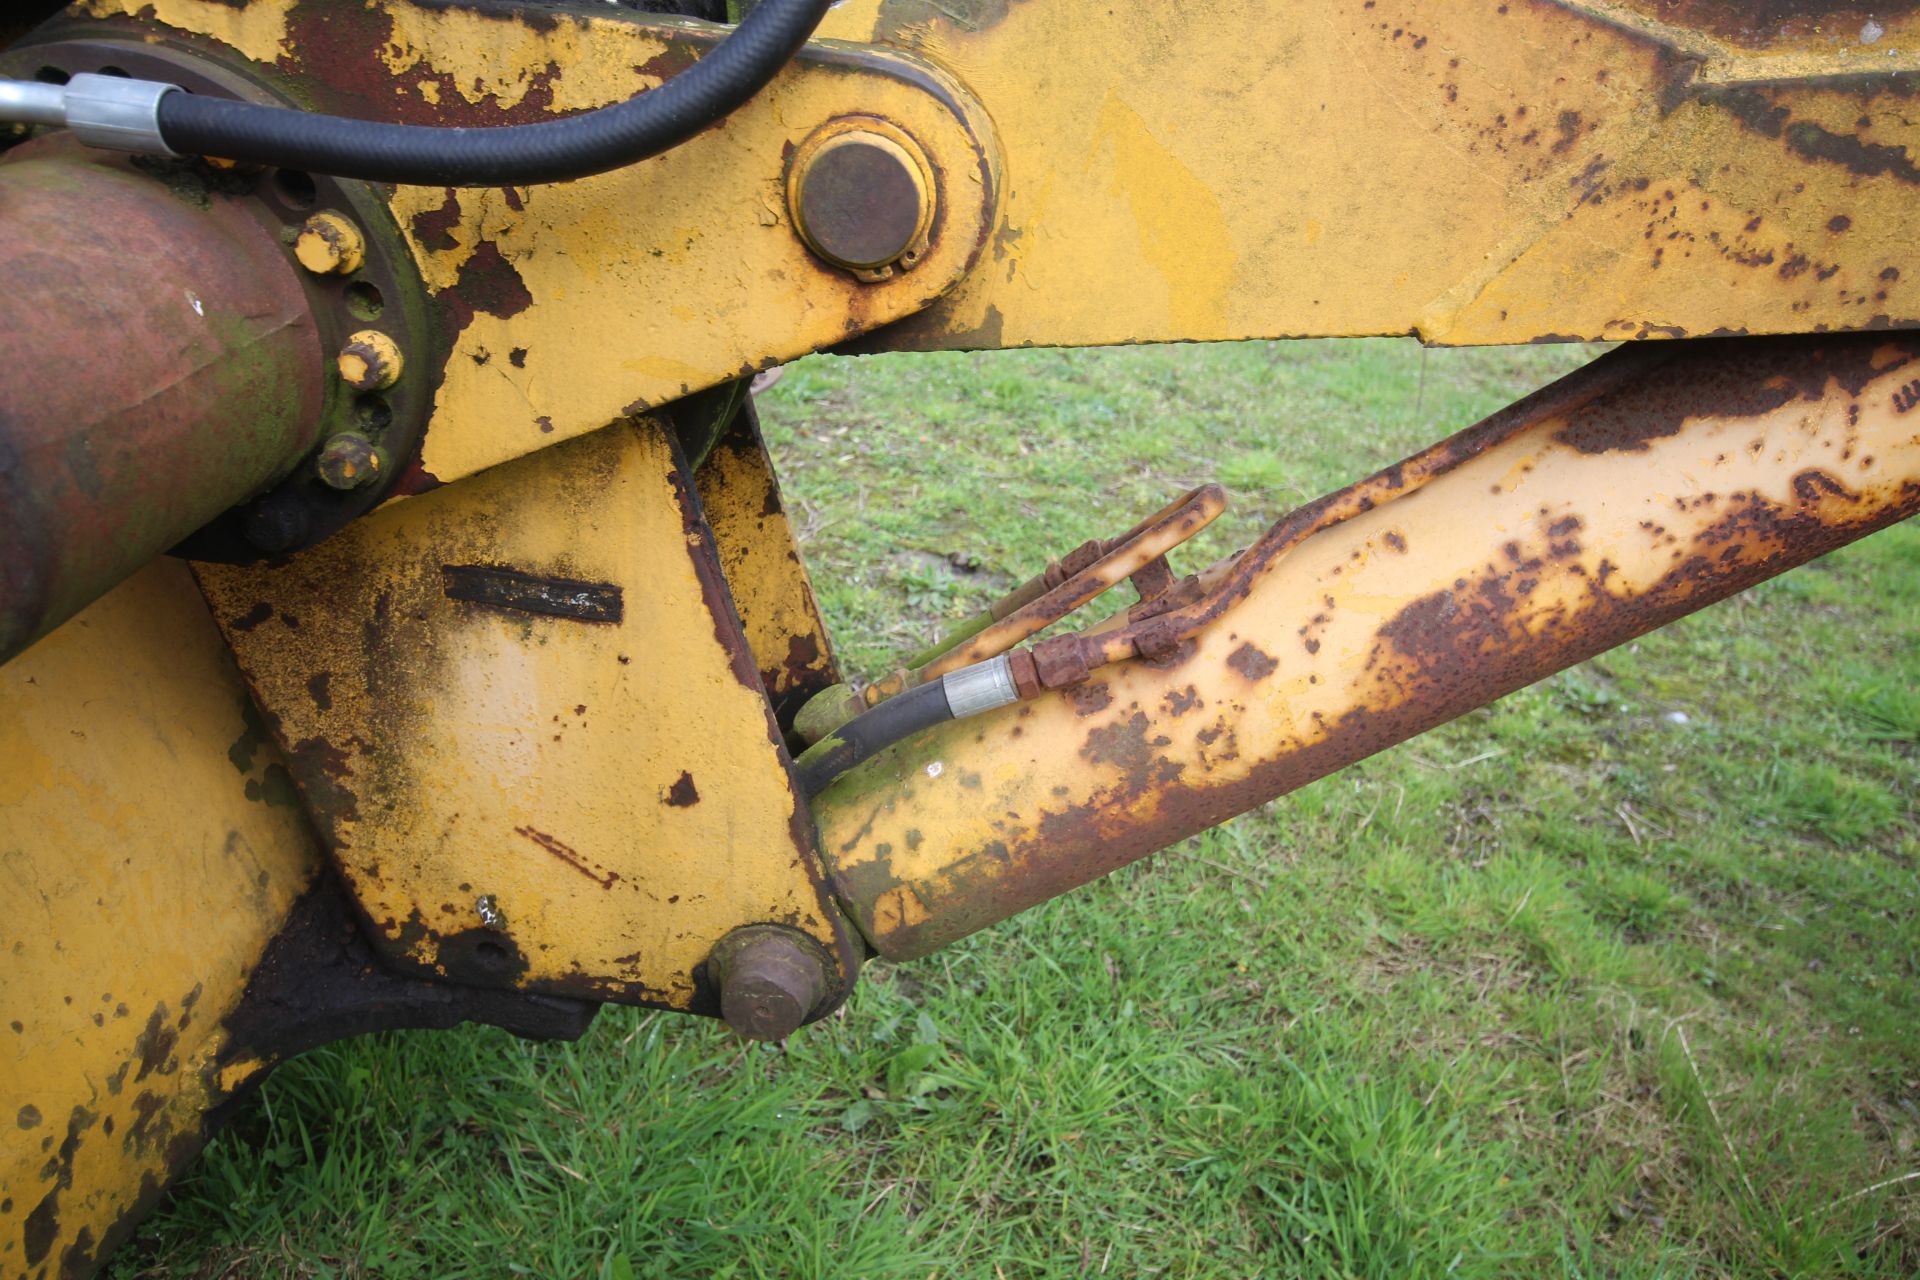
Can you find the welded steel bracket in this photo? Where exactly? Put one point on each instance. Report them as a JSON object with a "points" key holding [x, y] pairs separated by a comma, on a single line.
{"points": [[529, 728]]}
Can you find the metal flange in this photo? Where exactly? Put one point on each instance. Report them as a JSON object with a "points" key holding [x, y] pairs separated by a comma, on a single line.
{"points": [[361, 283]]}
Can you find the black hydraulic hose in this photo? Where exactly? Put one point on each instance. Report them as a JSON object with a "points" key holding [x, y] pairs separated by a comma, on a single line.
{"points": [[871, 732], [509, 155], [956, 695]]}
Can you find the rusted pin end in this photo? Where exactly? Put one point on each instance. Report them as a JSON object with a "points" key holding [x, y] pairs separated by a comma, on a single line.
{"points": [[770, 979], [861, 193], [370, 361], [330, 245], [348, 461]]}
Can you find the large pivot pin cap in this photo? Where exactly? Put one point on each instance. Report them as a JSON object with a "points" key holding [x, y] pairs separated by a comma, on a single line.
{"points": [[862, 196]]}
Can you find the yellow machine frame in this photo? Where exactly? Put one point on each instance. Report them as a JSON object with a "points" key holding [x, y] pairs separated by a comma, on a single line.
{"points": [[524, 739]]}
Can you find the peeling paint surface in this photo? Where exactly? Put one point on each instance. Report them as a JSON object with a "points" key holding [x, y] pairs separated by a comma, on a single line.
{"points": [[255, 31], [740, 495], [627, 290], [143, 867]]}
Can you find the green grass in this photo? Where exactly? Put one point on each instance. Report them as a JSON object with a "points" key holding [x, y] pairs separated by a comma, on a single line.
{"points": [[1615, 978]]}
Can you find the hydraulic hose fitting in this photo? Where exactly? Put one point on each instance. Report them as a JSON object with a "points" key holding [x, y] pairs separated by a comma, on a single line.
{"points": [[111, 112]]}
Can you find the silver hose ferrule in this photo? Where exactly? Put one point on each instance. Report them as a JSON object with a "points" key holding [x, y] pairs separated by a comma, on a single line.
{"points": [[112, 112], [118, 114], [980, 687]]}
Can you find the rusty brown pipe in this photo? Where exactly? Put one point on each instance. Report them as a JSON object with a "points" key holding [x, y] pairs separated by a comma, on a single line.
{"points": [[161, 365], [1125, 556], [1636, 492]]}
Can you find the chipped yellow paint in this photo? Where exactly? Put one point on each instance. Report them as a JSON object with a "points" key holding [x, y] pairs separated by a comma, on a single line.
{"points": [[330, 245], [630, 289], [239, 1072], [613, 790], [500, 61], [1465, 173], [142, 871], [1468, 174], [256, 30], [371, 361]]}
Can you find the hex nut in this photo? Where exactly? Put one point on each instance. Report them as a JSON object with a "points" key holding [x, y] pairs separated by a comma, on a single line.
{"points": [[330, 245], [348, 461], [370, 361], [770, 980]]}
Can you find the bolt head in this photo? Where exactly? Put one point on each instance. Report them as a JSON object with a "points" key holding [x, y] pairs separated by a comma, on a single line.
{"points": [[330, 245], [348, 461], [370, 361], [770, 980]]}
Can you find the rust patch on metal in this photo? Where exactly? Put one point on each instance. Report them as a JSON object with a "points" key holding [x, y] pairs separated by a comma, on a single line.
{"points": [[1758, 110], [1089, 699], [155, 1045], [802, 665], [484, 957], [253, 617], [1250, 662], [433, 228], [500, 588], [1125, 743], [683, 793], [488, 283], [323, 771], [42, 1226], [1747, 380]]}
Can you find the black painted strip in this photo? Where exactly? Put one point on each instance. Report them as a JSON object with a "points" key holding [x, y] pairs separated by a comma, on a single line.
{"points": [[533, 593]]}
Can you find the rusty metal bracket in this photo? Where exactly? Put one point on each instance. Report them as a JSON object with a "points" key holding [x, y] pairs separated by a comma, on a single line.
{"points": [[1085, 574], [740, 494], [510, 273], [1472, 173]]}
